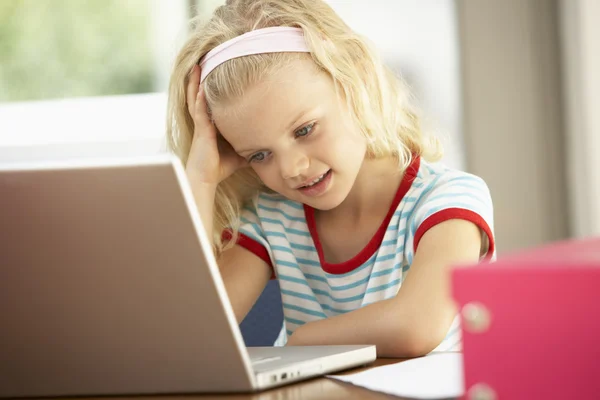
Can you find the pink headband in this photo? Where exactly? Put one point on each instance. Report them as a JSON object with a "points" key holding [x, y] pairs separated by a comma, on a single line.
{"points": [[278, 39]]}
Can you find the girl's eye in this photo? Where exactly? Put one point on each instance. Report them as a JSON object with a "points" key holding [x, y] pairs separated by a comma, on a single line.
{"points": [[305, 130], [258, 157]]}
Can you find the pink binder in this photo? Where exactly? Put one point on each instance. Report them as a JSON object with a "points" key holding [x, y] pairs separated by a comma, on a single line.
{"points": [[531, 323]]}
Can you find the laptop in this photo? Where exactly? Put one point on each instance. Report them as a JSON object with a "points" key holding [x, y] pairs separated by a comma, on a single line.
{"points": [[108, 286]]}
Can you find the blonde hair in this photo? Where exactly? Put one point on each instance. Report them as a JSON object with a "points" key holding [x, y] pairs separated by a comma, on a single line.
{"points": [[379, 102]]}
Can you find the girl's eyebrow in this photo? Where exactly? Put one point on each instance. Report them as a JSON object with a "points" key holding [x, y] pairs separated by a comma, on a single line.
{"points": [[251, 150], [296, 120], [248, 150]]}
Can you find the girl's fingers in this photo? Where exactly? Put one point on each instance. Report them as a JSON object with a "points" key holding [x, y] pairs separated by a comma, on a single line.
{"points": [[200, 115], [192, 89], [196, 103]]}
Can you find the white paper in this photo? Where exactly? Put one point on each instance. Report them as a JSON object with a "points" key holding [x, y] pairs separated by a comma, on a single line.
{"points": [[436, 376]]}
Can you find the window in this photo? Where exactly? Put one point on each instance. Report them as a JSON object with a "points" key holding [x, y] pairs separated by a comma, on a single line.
{"points": [[70, 48], [85, 71]]}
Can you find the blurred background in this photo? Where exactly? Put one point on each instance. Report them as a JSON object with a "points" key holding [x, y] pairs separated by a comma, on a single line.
{"points": [[510, 86]]}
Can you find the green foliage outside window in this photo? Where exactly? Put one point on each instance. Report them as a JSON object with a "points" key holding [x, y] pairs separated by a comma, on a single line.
{"points": [[72, 48]]}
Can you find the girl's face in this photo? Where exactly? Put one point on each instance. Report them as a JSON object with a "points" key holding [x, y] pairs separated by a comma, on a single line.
{"points": [[297, 135]]}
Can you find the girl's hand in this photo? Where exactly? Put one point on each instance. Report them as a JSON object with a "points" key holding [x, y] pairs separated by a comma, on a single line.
{"points": [[211, 159]]}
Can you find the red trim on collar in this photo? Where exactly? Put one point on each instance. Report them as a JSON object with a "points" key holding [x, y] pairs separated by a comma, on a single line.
{"points": [[371, 247]]}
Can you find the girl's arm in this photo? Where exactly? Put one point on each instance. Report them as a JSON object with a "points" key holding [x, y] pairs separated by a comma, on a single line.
{"points": [[415, 321], [244, 274]]}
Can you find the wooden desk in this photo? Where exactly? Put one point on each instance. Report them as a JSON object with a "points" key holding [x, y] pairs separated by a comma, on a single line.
{"points": [[318, 388]]}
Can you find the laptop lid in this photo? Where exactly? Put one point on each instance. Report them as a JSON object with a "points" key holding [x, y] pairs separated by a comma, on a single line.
{"points": [[104, 266]]}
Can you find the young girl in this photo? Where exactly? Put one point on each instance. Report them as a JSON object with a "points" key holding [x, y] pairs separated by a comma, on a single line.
{"points": [[308, 165]]}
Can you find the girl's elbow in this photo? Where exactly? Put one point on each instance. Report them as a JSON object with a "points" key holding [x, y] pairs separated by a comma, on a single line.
{"points": [[423, 345], [410, 348], [415, 343]]}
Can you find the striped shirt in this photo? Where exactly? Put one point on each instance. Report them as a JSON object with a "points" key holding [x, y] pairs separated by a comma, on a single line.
{"points": [[283, 233]]}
